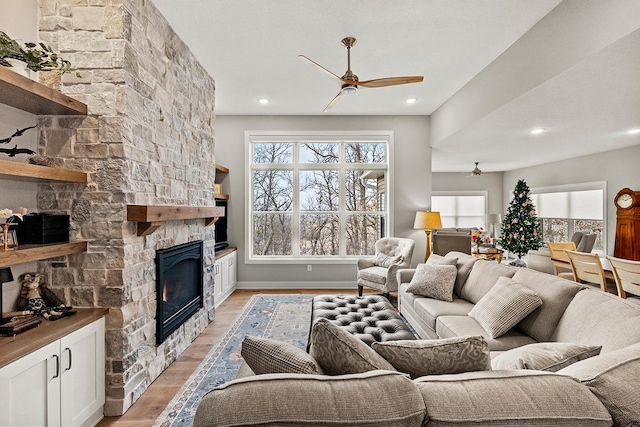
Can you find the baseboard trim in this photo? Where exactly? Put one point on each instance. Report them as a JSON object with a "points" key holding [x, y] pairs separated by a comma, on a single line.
{"points": [[298, 285]]}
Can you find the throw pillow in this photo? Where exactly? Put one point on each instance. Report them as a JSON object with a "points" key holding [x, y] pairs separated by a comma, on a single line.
{"points": [[386, 261], [434, 281], [507, 303], [267, 356], [544, 356], [435, 259], [338, 352], [432, 357]]}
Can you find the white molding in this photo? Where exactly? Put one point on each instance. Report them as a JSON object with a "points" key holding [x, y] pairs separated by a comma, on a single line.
{"points": [[298, 285]]}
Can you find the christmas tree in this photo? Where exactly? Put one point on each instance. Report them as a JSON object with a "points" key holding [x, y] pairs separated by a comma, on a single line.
{"points": [[520, 226]]}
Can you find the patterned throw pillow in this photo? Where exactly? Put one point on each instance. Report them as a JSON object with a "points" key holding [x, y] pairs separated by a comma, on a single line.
{"points": [[544, 356], [386, 261], [266, 356], [507, 303], [433, 357], [435, 259], [434, 281], [338, 352]]}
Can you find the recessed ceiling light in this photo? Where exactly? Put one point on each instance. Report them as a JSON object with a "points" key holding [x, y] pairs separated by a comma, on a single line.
{"points": [[411, 100], [536, 131], [633, 131], [263, 101]]}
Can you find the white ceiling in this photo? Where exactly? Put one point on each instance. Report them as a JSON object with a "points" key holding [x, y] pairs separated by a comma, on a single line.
{"points": [[251, 49]]}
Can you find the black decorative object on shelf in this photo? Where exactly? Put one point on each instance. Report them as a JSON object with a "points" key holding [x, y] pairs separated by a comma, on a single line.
{"points": [[18, 132], [43, 228]]}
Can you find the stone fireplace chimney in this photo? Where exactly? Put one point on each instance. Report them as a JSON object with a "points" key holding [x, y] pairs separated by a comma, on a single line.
{"points": [[148, 140]]}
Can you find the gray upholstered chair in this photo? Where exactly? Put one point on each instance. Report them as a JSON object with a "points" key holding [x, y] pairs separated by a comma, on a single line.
{"points": [[379, 271], [445, 241]]}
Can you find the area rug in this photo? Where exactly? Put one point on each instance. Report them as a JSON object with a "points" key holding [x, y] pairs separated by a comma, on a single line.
{"points": [[281, 317]]}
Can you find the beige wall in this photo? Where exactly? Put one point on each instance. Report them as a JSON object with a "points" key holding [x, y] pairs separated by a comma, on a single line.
{"points": [[411, 188]]}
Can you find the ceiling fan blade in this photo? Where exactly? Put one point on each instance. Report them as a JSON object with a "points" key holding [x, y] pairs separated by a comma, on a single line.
{"points": [[390, 81], [334, 101], [319, 67]]}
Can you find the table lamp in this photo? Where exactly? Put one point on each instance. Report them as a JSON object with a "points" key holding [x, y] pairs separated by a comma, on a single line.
{"points": [[494, 219], [5, 277], [427, 221]]}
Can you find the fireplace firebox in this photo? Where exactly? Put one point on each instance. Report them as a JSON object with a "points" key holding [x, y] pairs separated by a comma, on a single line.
{"points": [[178, 286]]}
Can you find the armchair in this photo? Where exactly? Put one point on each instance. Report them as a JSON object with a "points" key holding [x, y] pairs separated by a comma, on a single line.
{"points": [[379, 271]]}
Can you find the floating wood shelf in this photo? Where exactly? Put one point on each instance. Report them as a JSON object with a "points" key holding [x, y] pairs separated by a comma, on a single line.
{"points": [[26, 171], [28, 253], [221, 169], [20, 92], [149, 218], [221, 196]]}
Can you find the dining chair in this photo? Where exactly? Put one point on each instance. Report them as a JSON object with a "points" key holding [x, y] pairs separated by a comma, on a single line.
{"points": [[559, 258], [587, 267], [627, 275]]}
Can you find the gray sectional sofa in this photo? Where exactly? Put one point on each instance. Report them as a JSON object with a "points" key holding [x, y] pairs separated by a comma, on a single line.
{"points": [[601, 390]]}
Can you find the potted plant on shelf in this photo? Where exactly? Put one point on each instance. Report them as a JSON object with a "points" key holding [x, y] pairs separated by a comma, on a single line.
{"points": [[37, 57]]}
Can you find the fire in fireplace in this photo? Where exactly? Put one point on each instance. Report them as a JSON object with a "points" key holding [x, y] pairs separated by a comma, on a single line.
{"points": [[178, 287]]}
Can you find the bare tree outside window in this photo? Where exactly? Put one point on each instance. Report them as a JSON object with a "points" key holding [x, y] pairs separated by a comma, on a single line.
{"points": [[339, 208]]}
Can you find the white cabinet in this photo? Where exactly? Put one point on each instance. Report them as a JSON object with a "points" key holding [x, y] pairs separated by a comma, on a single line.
{"points": [[60, 384], [224, 279]]}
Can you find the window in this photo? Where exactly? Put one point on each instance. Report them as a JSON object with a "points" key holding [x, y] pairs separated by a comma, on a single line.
{"points": [[460, 209], [320, 195], [563, 210]]}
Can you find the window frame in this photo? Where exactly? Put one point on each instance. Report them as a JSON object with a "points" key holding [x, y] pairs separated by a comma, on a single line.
{"points": [[474, 193], [297, 137], [584, 186]]}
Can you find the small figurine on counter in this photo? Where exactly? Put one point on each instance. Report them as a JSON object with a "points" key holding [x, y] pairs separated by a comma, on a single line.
{"points": [[38, 299]]}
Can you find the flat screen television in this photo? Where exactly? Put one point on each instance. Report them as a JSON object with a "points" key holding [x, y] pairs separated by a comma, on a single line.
{"points": [[221, 227]]}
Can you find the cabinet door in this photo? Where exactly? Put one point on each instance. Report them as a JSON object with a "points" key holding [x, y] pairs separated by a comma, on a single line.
{"points": [[83, 375], [219, 277], [231, 271], [31, 389]]}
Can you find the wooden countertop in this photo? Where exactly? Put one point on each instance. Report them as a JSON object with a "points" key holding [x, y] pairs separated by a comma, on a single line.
{"points": [[13, 348]]}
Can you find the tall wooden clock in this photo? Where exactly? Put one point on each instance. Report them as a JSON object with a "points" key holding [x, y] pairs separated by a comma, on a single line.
{"points": [[627, 224]]}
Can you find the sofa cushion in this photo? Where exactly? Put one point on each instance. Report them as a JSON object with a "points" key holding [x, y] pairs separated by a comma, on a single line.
{"points": [[556, 294], [465, 264], [544, 356], [615, 379], [460, 326], [428, 357], [338, 352], [435, 259], [374, 274], [384, 260], [615, 326], [430, 309], [267, 356], [434, 281], [377, 398], [509, 398], [482, 278], [504, 306]]}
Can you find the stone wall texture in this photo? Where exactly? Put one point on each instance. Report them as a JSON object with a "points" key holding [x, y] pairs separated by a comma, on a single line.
{"points": [[148, 140]]}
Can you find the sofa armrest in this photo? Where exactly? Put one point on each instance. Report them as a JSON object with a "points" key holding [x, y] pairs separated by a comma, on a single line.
{"points": [[404, 275]]}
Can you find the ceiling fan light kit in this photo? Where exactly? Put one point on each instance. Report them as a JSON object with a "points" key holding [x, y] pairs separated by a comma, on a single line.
{"points": [[350, 82]]}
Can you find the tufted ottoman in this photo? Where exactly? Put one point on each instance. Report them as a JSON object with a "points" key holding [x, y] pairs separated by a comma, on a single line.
{"points": [[369, 317]]}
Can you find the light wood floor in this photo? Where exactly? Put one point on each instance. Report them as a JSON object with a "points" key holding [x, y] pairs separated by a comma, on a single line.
{"points": [[151, 404]]}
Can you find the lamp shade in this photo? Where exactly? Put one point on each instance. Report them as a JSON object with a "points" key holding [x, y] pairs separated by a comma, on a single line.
{"points": [[5, 275], [494, 218], [427, 220]]}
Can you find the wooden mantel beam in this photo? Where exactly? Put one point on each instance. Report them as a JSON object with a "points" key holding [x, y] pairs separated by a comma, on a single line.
{"points": [[149, 218]]}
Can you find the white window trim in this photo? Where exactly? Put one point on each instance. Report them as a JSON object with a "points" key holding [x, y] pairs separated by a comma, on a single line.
{"points": [[583, 186], [311, 136]]}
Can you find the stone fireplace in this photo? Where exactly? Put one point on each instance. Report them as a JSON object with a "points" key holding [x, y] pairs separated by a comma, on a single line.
{"points": [[148, 140], [178, 287]]}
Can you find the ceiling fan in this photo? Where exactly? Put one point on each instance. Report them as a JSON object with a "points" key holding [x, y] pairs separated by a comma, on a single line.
{"points": [[350, 81], [477, 172]]}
